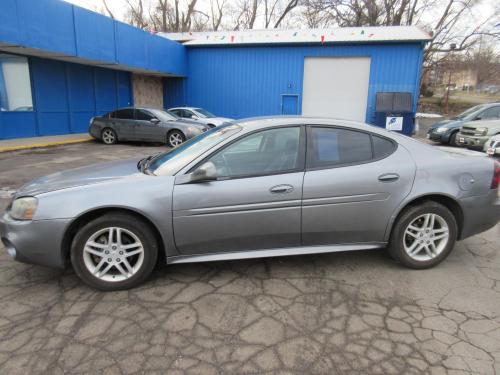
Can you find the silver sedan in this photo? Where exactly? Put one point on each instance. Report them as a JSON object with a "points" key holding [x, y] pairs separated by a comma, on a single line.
{"points": [[261, 187]]}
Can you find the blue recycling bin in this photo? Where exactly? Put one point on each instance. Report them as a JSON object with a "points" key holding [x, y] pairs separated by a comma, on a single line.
{"points": [[394, 111]]}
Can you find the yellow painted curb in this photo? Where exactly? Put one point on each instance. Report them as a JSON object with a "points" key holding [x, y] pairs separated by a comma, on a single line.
{"points": [[47, 144]]}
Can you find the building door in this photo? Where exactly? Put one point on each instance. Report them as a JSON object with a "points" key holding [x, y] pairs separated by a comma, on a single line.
{"points": [[336, 87], [289, 104]]}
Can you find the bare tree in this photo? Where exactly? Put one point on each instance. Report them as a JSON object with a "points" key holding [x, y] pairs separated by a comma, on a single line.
{"points": [[217, 13], [107, 9]]}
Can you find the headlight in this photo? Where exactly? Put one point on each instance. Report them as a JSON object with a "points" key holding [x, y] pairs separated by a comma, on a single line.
{"points": [[482, 131], [442, 130], [23, 208]]}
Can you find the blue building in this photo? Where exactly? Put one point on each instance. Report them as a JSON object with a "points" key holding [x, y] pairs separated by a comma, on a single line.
{"points": [[60, 65]]}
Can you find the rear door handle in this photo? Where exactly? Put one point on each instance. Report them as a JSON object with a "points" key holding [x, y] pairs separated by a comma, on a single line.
{"points": [[388, 177], [281, 189]]}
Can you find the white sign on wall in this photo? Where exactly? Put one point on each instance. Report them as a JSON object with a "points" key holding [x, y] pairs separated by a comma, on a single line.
{"points": [[394, 123]]}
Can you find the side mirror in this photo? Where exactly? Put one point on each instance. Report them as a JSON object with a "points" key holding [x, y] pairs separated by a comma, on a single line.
{"points": [[477, 118], [204, 173], [154, 121]]}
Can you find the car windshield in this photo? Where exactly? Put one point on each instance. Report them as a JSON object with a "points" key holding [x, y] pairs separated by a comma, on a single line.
{"points": [[467, 113], [168, 163], [204, 112], [163, 115]]}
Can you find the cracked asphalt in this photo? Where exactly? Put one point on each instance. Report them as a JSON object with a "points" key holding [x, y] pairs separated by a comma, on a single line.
{"points": [[342, 313]]}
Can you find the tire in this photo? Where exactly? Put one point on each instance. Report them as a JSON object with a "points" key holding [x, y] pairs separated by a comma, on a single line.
{"points": [[453, 139], [108, 136], [401, 242], [87, 260], [175, 138]]}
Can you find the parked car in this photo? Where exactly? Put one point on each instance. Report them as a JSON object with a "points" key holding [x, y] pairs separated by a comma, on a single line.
{"points": [[199, 114], [144, 124], [261, 187], [492, 146], [475, 134], [446, 131]]}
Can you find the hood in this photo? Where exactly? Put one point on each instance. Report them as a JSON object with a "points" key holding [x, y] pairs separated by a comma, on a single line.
{"points": [[92, 174], [447, 124]]}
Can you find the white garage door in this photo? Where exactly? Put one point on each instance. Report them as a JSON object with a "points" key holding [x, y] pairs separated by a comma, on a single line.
{"points": [[336, 87]]}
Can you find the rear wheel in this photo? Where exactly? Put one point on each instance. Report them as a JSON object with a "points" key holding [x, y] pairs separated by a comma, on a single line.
{"points": [[175, 138], [114, 252], [423, 235], [108, 136]]}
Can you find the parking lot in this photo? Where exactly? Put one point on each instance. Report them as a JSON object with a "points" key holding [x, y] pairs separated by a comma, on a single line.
{"points": [[342, 313]]}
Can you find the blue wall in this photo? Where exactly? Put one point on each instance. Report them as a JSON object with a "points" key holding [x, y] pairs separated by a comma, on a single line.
{"points": [[242, 82], [65, 97], [59, 27]]}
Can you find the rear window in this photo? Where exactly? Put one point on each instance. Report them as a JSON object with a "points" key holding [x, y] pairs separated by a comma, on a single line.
{"points": [[124, 114], [330, 147]]}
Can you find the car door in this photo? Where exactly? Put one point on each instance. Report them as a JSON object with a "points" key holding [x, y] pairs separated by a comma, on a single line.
{"points": [[123, 123], [354, 181], [254, 204], [148, 127]]}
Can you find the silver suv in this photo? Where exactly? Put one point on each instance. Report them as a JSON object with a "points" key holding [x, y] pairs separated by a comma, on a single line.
{"points": [[476, 133]]}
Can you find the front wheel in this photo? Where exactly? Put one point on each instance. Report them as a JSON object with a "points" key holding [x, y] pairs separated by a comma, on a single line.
{"points": [[175, 138], [114, 252], [423, 235]]}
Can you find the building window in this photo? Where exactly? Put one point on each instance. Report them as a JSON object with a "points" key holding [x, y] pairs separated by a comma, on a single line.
{"points": [[15, 84]]}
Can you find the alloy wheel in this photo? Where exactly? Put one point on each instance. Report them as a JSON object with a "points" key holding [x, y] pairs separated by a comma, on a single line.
{"points": [[426, 237], [113, 254], [108, 136], [175, 139]]}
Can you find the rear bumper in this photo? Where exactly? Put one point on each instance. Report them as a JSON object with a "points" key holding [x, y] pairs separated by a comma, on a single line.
{"points": [[480, 213], [35, 242]]}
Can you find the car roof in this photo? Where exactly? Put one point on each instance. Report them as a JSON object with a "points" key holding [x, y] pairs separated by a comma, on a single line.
{"points": [[145, 108], [253, 123], [184, 108], [488, 105]]}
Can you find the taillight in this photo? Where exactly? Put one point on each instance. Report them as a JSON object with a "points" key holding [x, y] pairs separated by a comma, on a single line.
{"points": [[496, 175]]}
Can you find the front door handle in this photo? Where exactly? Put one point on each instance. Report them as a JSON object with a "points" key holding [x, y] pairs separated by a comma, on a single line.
{"points": [[388, 177], [281, 189]]}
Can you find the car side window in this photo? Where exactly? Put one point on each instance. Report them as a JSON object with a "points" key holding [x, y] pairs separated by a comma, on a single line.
{"points": [[263, 153], [382, 147], [329, 147], [187, 114], [491, 113], [143, 115], [124, 114]]}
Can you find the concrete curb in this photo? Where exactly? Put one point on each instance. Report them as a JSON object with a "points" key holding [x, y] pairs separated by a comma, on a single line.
{"points": [[46, 144]]}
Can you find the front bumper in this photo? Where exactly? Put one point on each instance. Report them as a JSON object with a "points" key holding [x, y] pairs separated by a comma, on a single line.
{"points": [[36, 242], [438, 137], [472, 141], [480, 213]]}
